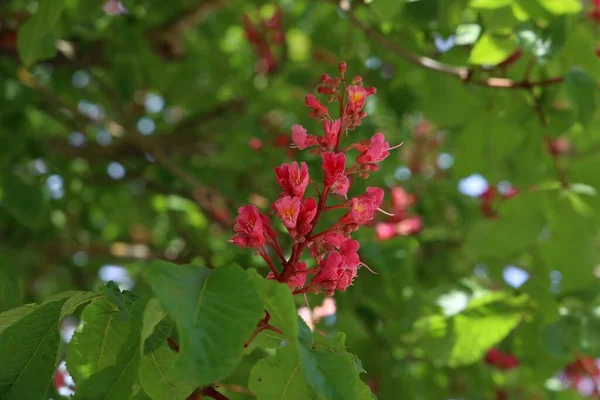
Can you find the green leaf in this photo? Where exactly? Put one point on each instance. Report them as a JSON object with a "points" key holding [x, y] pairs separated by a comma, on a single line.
{"points": [[121, 380], [10, 317], [97, 342], [28, 348], [77, 300], [157, 326], [582, 188], [518, 226], [10, 146], [463, 338], [215, 313], [280, 377], [492, 49], [386, 9], [11, 287], [36, 38], [26, 202], [570, 246], [581, 89], [279, 302], [561, 6], [123, 300], [332, 375], [154, 380], [484, 143], [489, 3]]}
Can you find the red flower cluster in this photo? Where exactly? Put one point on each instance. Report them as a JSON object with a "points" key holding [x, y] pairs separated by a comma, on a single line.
{"points": [[334, 251], [487, 199], [264, 38], [399, 224], [583, 374], [559, 146], [501, 360], [594, 15]]}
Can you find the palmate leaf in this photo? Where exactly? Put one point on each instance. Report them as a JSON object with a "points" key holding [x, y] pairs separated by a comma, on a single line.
{"points": [[280, 377], [215, 313], [10, 317], [37, 36], [77, 300], [156, 328], [28, 352], [97, 342], [155, 380], [279, 302], [324, 370], [464, 338], [121, 380]]}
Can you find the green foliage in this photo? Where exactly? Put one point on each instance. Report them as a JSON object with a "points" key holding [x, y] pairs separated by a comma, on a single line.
{"points": [[202, 302], [491, 49], [25, 201], [582, 92], [97, 342], [38, 35], [28, 347], [130, 139]]}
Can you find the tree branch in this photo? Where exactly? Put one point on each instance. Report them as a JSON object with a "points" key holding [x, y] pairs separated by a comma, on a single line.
{"points": [[168, 40], [465, 74]]}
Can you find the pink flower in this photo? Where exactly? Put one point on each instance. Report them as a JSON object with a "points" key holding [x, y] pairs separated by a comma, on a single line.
{"points": [[288, 209], [376, 151], [249, 228], [308, 211], [357, 95], [400, 199], [269, 231], [334, 239], [298, 278], [332, 130], [334, 167], [385, 230], [301, 139], [330, 268], [349, 249], [318, 109], [341, 186], [113, 8], [345, 279], [292, 178], [409, 226], [363, 207]]}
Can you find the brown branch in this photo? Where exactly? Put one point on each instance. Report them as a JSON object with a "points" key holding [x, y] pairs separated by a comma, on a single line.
{"points": [[262, 325], [230, 387], [168, 40], [463, 73], [207, 391]]}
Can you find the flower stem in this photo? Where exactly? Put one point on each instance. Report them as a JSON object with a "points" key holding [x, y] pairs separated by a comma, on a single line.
{"points": [[268, 260]]}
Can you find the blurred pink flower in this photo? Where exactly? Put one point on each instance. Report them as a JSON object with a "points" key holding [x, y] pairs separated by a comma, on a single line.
{"points": [[114, 7], [313, 317]]}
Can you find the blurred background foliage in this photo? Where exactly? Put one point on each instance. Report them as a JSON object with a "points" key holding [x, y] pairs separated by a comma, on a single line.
{"points": [[132, 131]]}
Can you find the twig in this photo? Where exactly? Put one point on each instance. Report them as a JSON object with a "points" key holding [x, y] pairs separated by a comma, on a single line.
{"points": [[262, 325], [465, 74], [207, 391], [168, 40], [230, 387]]}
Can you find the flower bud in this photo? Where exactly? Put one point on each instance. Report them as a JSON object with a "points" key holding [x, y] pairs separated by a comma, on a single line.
{"points": [[357, 80], [342, 68], [327, 79]]}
